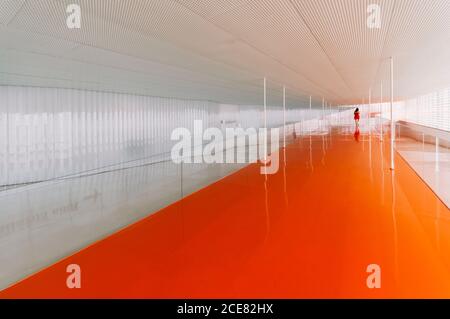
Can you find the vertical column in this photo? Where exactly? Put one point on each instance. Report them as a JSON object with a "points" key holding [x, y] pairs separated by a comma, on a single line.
{"points": [[284, 116], [265, 119], [310, 107], [323, 112], [381, 112], [370, 110], [436, 168], [392, 114]]}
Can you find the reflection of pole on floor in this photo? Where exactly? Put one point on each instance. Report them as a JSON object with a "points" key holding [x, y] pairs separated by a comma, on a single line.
{"points": [[284, 116], [437, 155], [392, 114], [381, 113]]}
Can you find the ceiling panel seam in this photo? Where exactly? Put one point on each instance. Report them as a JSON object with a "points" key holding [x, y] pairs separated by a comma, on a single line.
{"points": [[260, 51], [382, 58], [17, 12], [155, 61], [187, 49], [229, 10], [81, 44], [97, 90], [250, 87], [320, 44]]}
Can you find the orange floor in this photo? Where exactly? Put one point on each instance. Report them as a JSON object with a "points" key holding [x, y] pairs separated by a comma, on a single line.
{"points": [[307, 232]]}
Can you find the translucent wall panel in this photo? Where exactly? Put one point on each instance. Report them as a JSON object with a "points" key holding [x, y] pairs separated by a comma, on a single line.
{"points": [[251, 116], [48, 133], [431, 110]]}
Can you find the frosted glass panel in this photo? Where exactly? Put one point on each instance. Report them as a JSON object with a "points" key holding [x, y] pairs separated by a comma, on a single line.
{"points": [[432, 110], [48, 133]]}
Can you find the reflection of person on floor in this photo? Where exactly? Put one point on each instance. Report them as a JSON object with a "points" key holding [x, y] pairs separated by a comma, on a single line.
{"points": [[356, 135], [356, 117]]}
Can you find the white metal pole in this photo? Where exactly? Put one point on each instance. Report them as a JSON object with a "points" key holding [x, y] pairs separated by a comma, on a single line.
{"points": [[310, 107], [323, 112], [437, 155], [381, 112], [339, 114], [284, 116], [392, 114], [265, 119], [370, 110]]}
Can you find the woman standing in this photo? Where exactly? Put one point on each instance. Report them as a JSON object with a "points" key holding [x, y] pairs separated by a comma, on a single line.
{"points": [[356, 117]]}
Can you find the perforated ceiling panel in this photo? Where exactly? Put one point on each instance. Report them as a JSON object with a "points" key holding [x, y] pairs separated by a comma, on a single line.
{"points": [[221, 49], [8, 10]]}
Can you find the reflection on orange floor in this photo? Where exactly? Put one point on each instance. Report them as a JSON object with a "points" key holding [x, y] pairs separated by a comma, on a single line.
{"points": [[310, 231]]}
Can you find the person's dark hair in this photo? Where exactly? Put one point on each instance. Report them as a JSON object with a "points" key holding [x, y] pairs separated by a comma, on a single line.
{"points": [[357, 109]]}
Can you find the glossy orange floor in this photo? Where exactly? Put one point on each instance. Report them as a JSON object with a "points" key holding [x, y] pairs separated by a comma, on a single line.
{"points": [[307, 232]]}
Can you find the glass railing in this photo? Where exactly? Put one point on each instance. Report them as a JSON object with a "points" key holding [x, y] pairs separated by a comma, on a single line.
{"points": [[427, 151]]}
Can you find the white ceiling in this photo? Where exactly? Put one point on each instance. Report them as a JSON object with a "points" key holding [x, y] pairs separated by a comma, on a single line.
{"points": [[221, 49]]}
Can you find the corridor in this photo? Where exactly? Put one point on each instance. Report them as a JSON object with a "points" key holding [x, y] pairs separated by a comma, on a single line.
{"points": [[309, 231]]}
